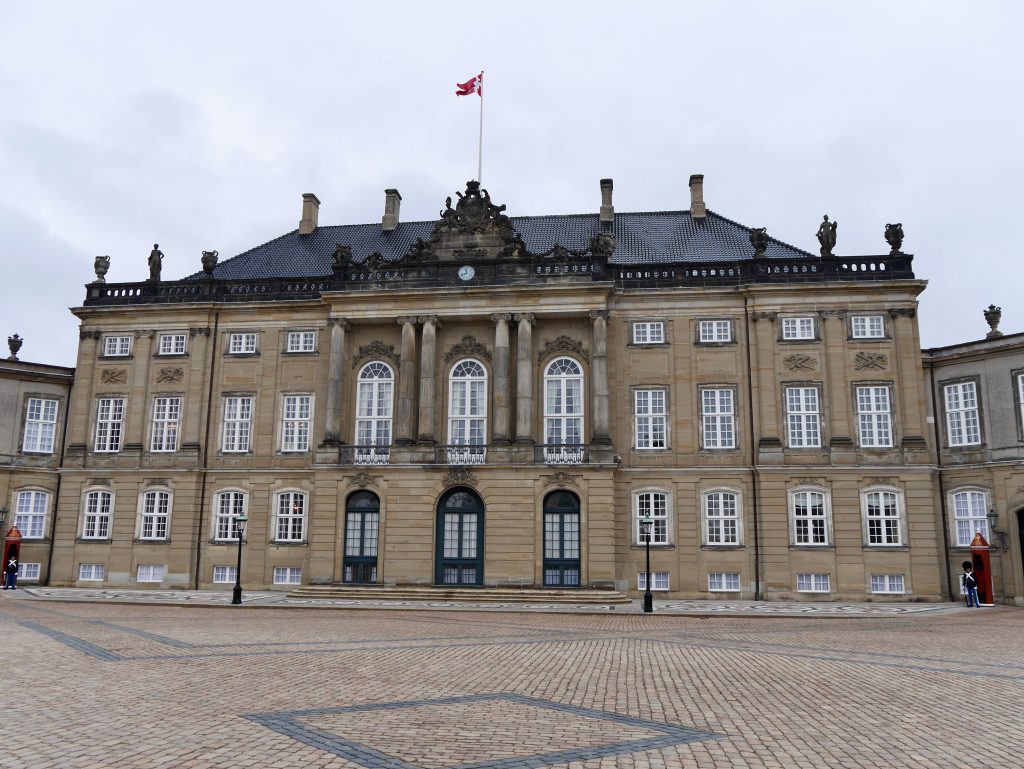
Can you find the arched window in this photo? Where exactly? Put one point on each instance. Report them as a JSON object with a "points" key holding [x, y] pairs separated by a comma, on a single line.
{"points": [[230, 504], [291, 516], [969, 515], [561, 539], [722, 517], [810, 517], [460, 539], [154, 514], [98, 504], [467, 413], [373, 413], [362, 530], [30, 513], [563, 411]]}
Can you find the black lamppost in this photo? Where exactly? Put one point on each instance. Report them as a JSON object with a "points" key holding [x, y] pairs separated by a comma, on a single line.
{"points": [[992, 516], [236, 596], [645, 530]]}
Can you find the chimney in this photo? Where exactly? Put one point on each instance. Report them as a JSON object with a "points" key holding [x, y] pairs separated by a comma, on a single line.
{"points": [[392, 203], [310, 211], [607, 209], [697, 207]]}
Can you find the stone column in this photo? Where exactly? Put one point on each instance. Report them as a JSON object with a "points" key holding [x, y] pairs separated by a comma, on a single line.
{"points": [[404, 424], [524, 378], [332, 425], [500, 433], [428, 377], [838, 424], [599, 379]]}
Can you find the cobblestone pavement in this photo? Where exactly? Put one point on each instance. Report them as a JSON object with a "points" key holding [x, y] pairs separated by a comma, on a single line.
{"points": [[177, 686]]}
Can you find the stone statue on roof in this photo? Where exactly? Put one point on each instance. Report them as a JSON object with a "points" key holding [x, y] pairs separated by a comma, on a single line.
{"points": [[156, 258], [827, 236]]}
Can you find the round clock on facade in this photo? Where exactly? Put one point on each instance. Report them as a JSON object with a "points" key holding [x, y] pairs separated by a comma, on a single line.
{"points": [[466, 272]]}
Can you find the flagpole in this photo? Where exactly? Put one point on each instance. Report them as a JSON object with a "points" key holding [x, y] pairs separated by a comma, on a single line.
{"points": [[480, 145]]}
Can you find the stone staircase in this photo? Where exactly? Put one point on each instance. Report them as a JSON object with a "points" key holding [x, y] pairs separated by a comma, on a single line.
{"points": [[460, 594]]}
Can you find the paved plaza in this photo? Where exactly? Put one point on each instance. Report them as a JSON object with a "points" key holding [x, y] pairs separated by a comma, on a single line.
{"points": [[102, 681]]}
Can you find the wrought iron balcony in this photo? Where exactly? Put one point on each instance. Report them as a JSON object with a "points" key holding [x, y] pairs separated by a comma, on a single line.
{"points": [[561, 453], [461, 455], [365, 455]]}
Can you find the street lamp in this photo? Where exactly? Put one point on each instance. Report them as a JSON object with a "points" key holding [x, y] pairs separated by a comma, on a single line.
{"points": [[992, 516], [236, 596], [645, 530]]}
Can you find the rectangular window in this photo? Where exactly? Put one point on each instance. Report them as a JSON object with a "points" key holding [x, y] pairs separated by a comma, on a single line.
{"points": [[109, 424], [874, 417], [230, 505], [242, 344], [30, 513], [287, 575], [718, 418], [803, 417], [117, 346], [810, 518], [659, 580], [297, 415], [650, 418], [40, 425], [301, 341], [797, 328], [883, 517], [969, 509], [724, 582], [887, 583], [652, 504], [812, 583], [97, 515], [166, 424], [149, 572], [171, 344], [29, 571], [867, 327], [962, 424], [649, 333], [1020, 397], [721, 516], [237, 423], [92, 572], [291, 516], [156, 509], [714, 331], [224, 574]]}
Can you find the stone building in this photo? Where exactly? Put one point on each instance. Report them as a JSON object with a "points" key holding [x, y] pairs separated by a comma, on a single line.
{"points": [[497, 401]]}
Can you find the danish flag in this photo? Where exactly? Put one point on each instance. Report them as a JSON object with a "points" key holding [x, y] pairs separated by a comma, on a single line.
{"points": [[471, 86]]}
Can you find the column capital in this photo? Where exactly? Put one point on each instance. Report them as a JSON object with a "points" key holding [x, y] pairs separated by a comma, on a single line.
{"points": [[529, 317], [595, 314], [343, 323], [498, 316], [432, 319], [404, 319]]}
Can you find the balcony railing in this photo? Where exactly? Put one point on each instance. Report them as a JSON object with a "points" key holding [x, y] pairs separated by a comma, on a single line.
{"points": [[561, 453], [461, 455], [365, 455]]}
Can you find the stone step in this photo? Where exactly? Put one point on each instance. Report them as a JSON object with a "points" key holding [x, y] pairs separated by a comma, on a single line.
{"points": [[464, 594]]}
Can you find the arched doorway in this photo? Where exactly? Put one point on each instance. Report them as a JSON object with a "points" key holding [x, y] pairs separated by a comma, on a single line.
{"points": [[459, 557], [561, 539], [362, 531]]}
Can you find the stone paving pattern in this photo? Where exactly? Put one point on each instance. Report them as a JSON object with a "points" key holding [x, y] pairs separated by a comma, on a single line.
{"points": [[138, 685]]}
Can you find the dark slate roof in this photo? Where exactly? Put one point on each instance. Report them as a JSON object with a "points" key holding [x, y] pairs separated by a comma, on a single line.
{"points": [[641, 238]]}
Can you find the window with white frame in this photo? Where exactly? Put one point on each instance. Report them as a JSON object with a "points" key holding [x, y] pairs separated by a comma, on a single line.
{"points": [[291, 516], [794, 329], [166, 423], [813, 583], [224, 574], [117, 346], [724, 582], [301, 341], [649, 332], [156, 510], [650, 418], [874, 416], [467, 407], [230, 505], [92, 572], [150, 572], [718, 418], [962, 424], [563, 403], [659, 580], [171, 344], [109, 424], [887, 583], [237, 423], [969, 516], [884, 521], [242, 343], [297, 414], [373, 412], [96, 519], [867, 327], [721, 518], [30, 513], [1020, 397], [653, 505], [29, 571], [803, 417], [810, 517], [40, 425], [714, 331], [287, 575]]}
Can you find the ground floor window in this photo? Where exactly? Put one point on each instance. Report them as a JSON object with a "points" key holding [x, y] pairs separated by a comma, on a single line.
{"points": [[724, 582], [149, 572], [887, 583], [659, 580], [812, 583], [225, 574], [287, 575], [28, 571], [92, 572]]}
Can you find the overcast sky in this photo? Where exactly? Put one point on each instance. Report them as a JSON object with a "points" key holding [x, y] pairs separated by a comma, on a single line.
{"points": [[198, 126]]}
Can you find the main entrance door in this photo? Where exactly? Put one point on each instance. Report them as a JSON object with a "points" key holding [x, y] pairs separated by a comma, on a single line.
{"points": [[561, 539], [362, 527], [460, 539]]}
